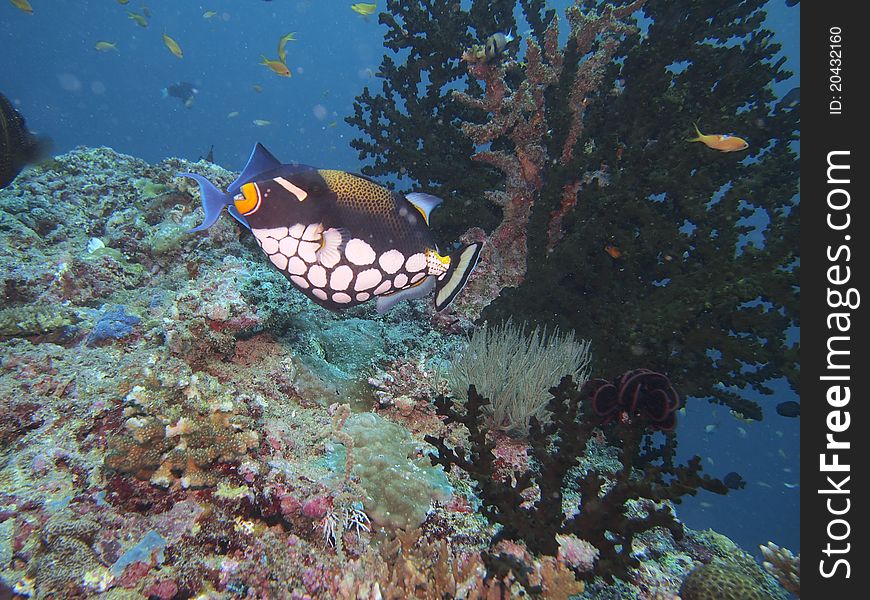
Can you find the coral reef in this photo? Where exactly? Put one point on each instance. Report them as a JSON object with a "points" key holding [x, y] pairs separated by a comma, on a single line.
{"points": [[399, 483], [613, 507], [721, 582], [409, 125], [685, 257], [174, 429]]}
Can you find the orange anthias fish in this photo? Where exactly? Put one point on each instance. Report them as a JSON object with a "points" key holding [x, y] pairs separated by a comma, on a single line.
{"points": [[140, 20], [282, 53], [277, 67], [613, 251], [172, 45], [22, 5], [720, 141]]}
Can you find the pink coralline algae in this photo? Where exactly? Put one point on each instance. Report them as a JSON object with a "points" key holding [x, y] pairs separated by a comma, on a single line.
{"points": [[576, 553], [316, 508], [165, 589]]}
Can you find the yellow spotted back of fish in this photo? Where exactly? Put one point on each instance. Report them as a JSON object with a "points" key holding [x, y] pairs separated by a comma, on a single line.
{"points": [[388, 210]]}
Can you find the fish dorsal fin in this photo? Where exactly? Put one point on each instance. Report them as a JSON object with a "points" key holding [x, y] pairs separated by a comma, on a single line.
{"points": [[425, 203], [260, 161]]}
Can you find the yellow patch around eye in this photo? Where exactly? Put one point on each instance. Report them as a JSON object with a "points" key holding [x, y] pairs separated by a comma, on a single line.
{"points": [[250, 200]]}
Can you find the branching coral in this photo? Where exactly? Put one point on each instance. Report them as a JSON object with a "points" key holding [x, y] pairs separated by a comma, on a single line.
{"points": [[522, 116], [685, 257], [410, 123], [704, 281], [606, 518], [784, 566]]}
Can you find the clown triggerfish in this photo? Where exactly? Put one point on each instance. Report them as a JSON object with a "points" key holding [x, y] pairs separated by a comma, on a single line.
{"points": [[340, 238]]}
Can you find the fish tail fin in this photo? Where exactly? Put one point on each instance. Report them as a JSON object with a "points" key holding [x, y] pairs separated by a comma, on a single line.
{"points": [[213, 201], [698, 134], [462, 264]]}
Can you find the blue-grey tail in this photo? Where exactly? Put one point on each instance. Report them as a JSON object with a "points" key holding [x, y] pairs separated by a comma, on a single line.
{"points": [[213, 201]]}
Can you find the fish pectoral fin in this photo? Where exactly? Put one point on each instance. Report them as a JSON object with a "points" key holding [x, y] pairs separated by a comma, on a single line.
{"points": [[332, 243], [462, 264], [234, 213]]}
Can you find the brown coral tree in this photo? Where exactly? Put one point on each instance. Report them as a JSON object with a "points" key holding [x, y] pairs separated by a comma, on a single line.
{"points": [[522, 115]]}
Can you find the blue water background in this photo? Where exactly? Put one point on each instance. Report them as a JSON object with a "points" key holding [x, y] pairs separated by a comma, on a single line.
{"points": [[78, 96]]}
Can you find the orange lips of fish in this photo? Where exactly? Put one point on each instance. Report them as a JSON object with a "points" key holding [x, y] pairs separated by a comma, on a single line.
{"points": [[721, 142]]}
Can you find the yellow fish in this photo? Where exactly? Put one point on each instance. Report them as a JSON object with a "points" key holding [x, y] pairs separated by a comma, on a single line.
{"points": [[282, 54], [278, 67], [261, 122], [123, 1], [106, 46], [364, 8], [720, 141], [209, 14], [22, 5], [173, 46], [141, 21]]}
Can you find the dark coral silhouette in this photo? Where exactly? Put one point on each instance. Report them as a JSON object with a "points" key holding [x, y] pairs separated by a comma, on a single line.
{"points": [[640, 393], [605, 519]]}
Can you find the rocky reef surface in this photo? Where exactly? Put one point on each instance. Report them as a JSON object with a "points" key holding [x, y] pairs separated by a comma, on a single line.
{"points": [[177, 422]]}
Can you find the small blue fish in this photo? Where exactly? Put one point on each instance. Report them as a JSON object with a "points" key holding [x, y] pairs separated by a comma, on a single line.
{"points": [[340, 238]]}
